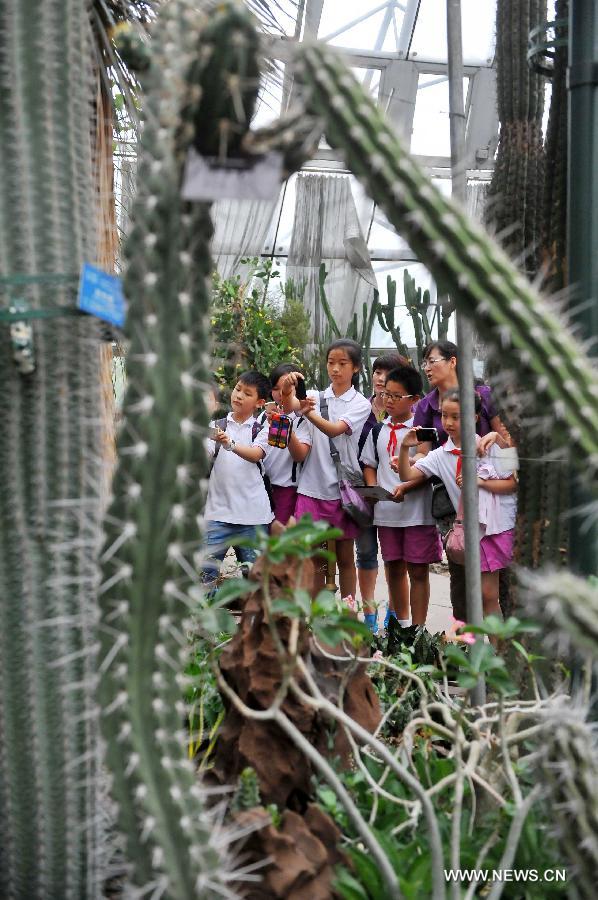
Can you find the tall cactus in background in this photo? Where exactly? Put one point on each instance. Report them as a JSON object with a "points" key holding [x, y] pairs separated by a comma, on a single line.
{"points": [[518, 199], [509, 313], [514, 205], [386, 315], [201, 89], [49, 440]]}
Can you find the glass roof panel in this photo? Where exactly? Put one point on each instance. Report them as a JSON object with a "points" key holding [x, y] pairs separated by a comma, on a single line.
{"points": [[431, 127], [429, 35], [362, 24]]}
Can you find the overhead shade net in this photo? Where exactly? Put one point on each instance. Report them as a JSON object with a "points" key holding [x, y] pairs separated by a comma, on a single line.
{"points": [[326, 230], [240, 227]]}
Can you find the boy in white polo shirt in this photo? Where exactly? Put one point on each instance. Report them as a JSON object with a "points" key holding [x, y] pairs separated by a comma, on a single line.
{"points": [[238, 502], [409, 541]]}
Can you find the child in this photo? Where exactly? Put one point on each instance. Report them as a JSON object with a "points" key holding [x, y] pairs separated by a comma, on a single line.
{"points": [[317, 490], [237, 501], [408, 537], [366, 545], [280, 467], [496, 545]]}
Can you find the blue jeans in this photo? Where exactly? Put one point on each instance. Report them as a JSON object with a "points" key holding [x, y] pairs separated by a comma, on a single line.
{"points": [[367, 548], [219, 537]]}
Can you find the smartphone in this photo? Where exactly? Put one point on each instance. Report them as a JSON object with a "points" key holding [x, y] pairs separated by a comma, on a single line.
{"points": [[300, 391], [427, 434], [212, 432]]}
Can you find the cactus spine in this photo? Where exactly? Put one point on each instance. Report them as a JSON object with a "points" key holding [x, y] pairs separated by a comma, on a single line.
{"points": [[506, 309], [569, 770], [49, 497], [201, 87]]}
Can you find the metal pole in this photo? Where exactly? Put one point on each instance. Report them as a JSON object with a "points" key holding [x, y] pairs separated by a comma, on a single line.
{"points": [[473, 595], [583, 230]]}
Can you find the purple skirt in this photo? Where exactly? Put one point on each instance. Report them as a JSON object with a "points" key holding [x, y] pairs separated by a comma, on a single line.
{"points": [[496, 550], [329, 511], [284, 499]]}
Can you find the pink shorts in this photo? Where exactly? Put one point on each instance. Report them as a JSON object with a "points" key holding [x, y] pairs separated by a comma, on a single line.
{"points": [[413, 543], [284, 499], [327, 511], [496, 551]]}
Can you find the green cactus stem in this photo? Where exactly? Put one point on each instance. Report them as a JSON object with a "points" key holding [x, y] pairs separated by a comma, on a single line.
{"points": [[569, 770], [386, 316], [568, 606], [198, 75], [49, 496], [418, 304], [514, 205], [506, 309]]}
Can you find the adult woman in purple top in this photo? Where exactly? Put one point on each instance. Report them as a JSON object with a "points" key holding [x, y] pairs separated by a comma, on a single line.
{"points": [[440, 366]]}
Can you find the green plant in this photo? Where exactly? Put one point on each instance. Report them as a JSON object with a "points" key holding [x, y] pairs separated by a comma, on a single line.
{"points": [[386, 316], [250, 330], [362, 333], [50, 497], [199, 79]]}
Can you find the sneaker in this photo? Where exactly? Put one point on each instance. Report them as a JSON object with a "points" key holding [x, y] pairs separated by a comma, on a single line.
{"points": [[371, 620]]}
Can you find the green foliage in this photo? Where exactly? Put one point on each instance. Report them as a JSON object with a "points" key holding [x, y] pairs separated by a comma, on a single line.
{"points": [[358, 329], [250, 326], [247, 794]]}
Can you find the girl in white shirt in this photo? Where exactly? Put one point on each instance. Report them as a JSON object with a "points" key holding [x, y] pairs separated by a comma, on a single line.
{"points": [[317, 491], [496, 544]]}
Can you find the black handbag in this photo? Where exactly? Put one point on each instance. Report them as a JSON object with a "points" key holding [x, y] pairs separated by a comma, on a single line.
{"points": [[442, 507]]}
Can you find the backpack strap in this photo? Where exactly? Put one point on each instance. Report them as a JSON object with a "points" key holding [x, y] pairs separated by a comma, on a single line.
{"points": [[375, 432], [336, 457], [295, 463], [219, 423]]}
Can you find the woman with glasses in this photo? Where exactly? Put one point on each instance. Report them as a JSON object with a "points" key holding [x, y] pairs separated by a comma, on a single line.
{"points": [[440, 367]]}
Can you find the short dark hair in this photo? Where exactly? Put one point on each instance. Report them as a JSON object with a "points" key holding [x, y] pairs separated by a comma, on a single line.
{"points": [[283, 369], [353, 352], [453, 395], [408, 377], [251, 378], [390, 361], [446, 349]]}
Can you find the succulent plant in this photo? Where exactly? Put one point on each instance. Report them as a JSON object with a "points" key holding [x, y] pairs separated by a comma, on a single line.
{"points": [[200, 89], [50, 507], [568, 764]]}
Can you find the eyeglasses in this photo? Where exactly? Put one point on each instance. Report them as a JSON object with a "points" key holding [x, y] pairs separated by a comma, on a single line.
{"points": [[395, 396], [431, 360]]}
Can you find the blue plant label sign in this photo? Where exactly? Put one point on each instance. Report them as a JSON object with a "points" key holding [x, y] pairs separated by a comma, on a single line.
{"points": [[210, 178], [101, 295]]}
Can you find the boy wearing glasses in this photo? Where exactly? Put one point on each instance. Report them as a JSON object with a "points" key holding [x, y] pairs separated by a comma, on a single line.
{"points": [[409, 541]]}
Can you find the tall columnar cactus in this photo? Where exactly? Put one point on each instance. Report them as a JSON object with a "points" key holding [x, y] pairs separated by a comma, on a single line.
{"points": [[49, 440], [201, 89], [386, 315], [517, 204], [418, 304], [514, 205], [521, 328]]}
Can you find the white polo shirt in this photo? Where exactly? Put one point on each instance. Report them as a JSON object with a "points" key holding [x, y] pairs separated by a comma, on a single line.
{"points": [[415, 508], [279, 463], [236, 492], [318, 477], [443, 463]]}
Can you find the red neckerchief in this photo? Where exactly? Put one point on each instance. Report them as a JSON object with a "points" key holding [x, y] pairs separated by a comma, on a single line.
{"points": [[392, 441], [457, 453]]}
